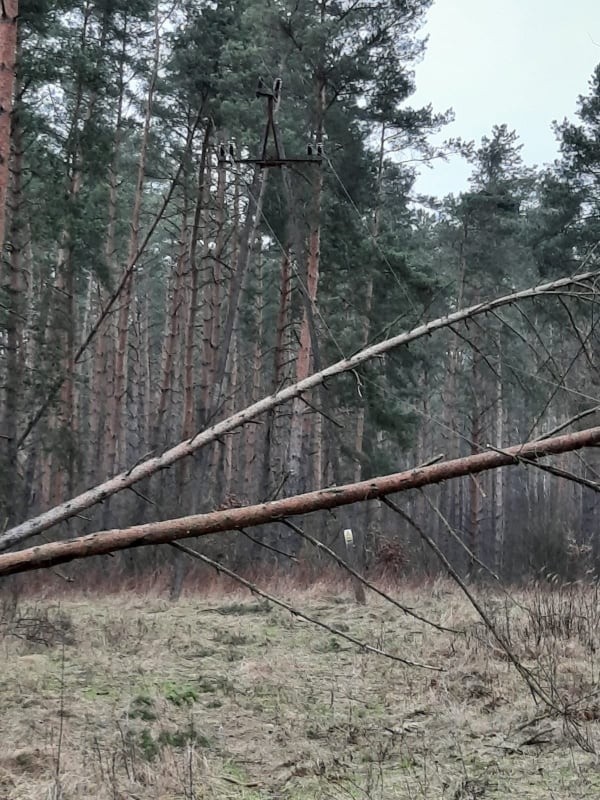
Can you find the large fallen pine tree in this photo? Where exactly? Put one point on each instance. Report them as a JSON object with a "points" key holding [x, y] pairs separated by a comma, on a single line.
{"points": [[104, 542], [584, 282]]}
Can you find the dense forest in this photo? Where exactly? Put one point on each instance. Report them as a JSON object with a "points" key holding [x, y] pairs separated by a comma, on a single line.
{"points": [[156, 278]]}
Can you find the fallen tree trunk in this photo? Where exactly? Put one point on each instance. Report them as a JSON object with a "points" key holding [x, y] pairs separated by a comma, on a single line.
{"points": [[146, 469], [153, 533]]}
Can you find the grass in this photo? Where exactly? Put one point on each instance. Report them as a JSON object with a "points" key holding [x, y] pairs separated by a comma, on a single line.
{"points": [[229, 698]]}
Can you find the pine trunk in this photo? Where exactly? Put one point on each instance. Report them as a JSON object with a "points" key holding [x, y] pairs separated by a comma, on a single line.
{"points": [[103, 440], [8, 53], [475, 490], [116, 428], [14, 291], [251, 445], [189, 383], [170, 348], [273, 473], [499, 515], [242, 266], [300, 428], [211, 312]]}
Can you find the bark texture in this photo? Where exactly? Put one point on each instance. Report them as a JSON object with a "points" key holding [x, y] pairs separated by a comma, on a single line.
{"points": [[147, 468], [154, 533]]}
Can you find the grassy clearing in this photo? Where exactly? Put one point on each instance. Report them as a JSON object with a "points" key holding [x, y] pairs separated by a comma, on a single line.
{"points": [[230, 698]]}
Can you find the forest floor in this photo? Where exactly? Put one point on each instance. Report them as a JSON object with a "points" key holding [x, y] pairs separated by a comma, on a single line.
{"points": [[227, 697]]}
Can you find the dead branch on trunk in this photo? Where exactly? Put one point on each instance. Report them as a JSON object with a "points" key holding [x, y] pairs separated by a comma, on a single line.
{"points": [[231, 519], [556, 471], [571, 421], [146, 469]]}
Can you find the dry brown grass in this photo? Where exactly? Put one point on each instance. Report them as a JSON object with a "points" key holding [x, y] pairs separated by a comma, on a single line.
{"points": [[226, 697]]}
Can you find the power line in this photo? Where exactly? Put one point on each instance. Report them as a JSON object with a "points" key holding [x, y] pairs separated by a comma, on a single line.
{"points": [[373, 238], [296, 272]]}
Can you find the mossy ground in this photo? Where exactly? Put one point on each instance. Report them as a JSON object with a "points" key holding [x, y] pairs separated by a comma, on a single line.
{"points": [[231, 698]]}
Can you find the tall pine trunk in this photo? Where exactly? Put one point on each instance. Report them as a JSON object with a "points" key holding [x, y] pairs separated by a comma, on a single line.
{"points": [[498, 477], [199, 225], [8, 53], [14, 291], [117, 427], [273, 470], [163, 422], [300, 428], [242, 263], [101, 445], [252, 461]]}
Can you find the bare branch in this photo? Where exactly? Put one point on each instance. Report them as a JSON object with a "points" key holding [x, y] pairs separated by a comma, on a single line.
{"points": [[297, 613], [565, 372], [558, 471], [344, 564], [526, 674], [127, 272], [267, 546], [458, 539], [567, 423]]}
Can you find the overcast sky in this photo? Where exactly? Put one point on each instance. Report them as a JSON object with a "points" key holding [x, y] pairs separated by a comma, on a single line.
{"points": [[522, 62]]}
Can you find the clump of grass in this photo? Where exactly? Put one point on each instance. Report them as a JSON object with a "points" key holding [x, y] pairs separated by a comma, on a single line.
{"points": [[203, 652], [151, 746], [148, 746], [221, 683], [565, 610], [181, 738], [241, 609], [142, 707], [46, 625], [332, 645], [181, 695], [232, 638]]}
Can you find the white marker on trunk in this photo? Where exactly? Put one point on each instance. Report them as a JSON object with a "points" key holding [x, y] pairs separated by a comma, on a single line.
{"points": [[348, 538]]}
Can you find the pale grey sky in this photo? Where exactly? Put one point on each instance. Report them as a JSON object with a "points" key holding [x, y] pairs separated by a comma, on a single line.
{"points": [[522, 62]]}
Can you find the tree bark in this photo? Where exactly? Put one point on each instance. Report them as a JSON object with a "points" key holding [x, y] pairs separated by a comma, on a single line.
{"points": [[103, 379], [172, 334], [211, 312], [273, 455], [186, 448], [252, 472], [104, 542], [499, 511], [189, 384], [14, 290], [475, 489], [243, 262], [8, 51], [300, 427], [117, 428], [359, 430]]}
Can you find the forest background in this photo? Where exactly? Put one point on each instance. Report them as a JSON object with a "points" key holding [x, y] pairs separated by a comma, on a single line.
{"points": [[218, 282]]}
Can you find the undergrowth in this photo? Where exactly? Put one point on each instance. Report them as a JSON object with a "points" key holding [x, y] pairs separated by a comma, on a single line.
{"points": [[133, 697]]}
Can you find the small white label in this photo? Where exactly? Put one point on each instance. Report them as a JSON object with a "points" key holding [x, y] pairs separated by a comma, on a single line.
{"points": [[348, 538]]}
